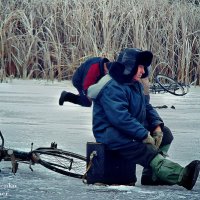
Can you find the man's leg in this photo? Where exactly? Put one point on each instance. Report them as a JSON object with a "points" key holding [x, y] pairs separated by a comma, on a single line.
{"points": [[148, 178], [173, 173], [170, 172], [80, 99], [68, 96]]}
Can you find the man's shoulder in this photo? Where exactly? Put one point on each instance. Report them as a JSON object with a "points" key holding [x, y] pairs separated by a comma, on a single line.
{"points": [[112, 86]]}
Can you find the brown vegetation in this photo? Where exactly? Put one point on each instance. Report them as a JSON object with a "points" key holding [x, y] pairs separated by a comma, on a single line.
{"points": [[49, 38]]}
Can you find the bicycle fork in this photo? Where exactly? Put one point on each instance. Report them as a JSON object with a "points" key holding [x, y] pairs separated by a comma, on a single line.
{"points": [[13, 161]]}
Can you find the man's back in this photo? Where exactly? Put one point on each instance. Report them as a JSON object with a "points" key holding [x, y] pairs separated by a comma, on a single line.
{"points": [[89, 72]]}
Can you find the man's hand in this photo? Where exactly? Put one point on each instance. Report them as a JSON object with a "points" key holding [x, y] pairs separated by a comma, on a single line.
{"points": [[157, 135], [149, 140]]}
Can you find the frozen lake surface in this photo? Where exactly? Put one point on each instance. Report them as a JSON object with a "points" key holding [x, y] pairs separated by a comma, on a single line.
{"points": [[29, 112]]}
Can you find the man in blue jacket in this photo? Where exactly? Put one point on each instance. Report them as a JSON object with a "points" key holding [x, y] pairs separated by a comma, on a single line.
{"points": [[89, 73], [128, 124]]}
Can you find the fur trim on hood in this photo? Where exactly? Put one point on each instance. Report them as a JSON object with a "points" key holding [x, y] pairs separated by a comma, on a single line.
{"points": [[131, 58]]}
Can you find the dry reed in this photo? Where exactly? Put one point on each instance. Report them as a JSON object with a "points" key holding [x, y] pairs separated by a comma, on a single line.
{"points": [[50, 38]]}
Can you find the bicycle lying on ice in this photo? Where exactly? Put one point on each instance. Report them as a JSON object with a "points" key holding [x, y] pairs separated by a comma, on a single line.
{"points": [[90, 169], [57, 160], [162, 84]]}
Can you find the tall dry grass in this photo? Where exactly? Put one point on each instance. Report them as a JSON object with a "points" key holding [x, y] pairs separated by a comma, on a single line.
{"points": [[50, 38]]}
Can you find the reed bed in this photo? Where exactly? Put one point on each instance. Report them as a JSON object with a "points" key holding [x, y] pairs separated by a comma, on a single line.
{"points": [[48, 39]]}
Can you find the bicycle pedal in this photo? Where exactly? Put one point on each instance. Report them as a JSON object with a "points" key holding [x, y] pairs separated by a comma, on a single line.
{"points": [[54, 145]]}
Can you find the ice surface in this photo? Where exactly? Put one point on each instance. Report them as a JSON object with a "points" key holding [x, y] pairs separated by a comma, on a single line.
{"points": [[29, 112]]}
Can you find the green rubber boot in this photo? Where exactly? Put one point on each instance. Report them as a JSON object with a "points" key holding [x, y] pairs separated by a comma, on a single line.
{"points": [[148, 177], [166, 170], [164, 150], [173, 173]]}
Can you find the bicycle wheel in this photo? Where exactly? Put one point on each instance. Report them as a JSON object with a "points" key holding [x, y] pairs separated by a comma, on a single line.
{"points": [[63, 162], [170, 85]]}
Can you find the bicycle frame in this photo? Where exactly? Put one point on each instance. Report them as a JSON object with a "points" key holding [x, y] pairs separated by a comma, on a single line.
{"points": [[57, 160]]}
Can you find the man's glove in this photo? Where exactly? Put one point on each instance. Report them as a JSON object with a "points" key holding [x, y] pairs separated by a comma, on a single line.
{"points": [[157, 135], [149, 140]]}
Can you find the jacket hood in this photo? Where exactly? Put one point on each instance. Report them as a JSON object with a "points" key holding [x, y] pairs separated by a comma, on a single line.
{"points": [[94, 90], [131, 58], [117, 73]]}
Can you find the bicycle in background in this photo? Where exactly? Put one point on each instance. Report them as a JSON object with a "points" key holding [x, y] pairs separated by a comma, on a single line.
{"points": [[163, 83], [163, 79], [57, 160]]}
